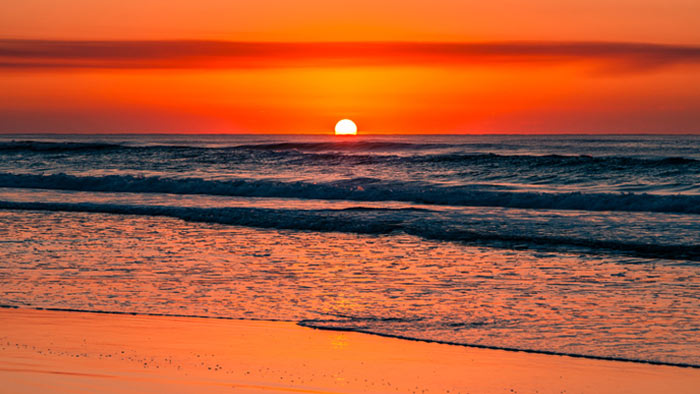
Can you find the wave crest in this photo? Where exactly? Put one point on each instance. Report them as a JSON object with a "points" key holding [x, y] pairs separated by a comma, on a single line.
{"points": [[362, 189], [471, 229]]}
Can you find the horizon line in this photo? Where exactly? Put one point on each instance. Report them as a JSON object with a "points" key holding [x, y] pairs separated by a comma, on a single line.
{"points": [[671, 133]]}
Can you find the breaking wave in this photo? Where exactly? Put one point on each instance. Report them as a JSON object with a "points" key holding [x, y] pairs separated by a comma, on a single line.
{"points": [[363, 189], [487, 231]]}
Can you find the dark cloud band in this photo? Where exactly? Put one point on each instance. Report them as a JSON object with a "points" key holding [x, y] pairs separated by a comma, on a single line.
{"points": [[42, 54]]}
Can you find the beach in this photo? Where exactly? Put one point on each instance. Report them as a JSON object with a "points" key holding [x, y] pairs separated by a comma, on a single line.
{"points": [[95, 352]]}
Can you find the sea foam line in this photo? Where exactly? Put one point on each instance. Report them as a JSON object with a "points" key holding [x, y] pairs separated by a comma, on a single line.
{"points": [[476, 230]]}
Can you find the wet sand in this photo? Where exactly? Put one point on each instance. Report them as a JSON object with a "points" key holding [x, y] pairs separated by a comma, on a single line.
{"points": [[51, 351]]}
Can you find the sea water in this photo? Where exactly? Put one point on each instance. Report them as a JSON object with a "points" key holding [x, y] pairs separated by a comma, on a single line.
{"points": [[580, 245]]}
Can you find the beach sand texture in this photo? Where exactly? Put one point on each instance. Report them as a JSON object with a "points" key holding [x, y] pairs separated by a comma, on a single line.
{"points": [[54, 351]]}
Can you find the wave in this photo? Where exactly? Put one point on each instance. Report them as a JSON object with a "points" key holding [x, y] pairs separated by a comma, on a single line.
{"points": [[53, 147], [47, 146], [486, 230], [345, 146], [561, 160], [583, 164], [362, 189], [362, 152]]}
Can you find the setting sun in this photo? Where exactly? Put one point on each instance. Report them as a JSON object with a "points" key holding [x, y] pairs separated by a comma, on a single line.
{"points": [[345, 127]]}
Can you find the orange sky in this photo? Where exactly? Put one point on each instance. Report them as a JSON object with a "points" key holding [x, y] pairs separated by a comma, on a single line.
{"points": [[412, 67]]}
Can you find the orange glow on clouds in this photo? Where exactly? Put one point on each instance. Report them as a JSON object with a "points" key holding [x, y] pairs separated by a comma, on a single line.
{"points": [[387, 99]]}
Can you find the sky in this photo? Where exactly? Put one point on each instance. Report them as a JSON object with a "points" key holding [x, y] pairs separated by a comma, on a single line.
{"points": [[271, 66]]}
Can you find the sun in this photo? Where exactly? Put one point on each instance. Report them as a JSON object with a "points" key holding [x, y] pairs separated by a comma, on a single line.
{"points": [[345, 127]]}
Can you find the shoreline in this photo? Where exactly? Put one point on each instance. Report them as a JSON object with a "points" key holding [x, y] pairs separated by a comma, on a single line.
{"points": [[308, 323], [72, 351]]}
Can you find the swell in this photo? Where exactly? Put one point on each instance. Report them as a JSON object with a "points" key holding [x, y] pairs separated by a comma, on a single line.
{"points": [[487, 231], [54, 147], [47, 146], [562, 160], [583, 163], [344, 146], [360, 152], [362, 189], [323, 325]]}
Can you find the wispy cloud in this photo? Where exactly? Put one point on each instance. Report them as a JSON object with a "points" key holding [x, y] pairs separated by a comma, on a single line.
{"points": [[183, 54]]}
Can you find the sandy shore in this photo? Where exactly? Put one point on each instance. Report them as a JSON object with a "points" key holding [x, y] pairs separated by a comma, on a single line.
{"points": [[47, 351]]}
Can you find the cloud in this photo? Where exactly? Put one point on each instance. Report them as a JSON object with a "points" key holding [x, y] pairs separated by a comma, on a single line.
{"points": [[189, 54]]}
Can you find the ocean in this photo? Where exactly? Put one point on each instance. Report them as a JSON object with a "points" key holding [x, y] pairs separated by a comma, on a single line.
{"points": [[570, 244]]}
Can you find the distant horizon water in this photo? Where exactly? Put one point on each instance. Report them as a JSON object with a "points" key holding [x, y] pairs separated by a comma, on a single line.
{"points": [[360, 133]]}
